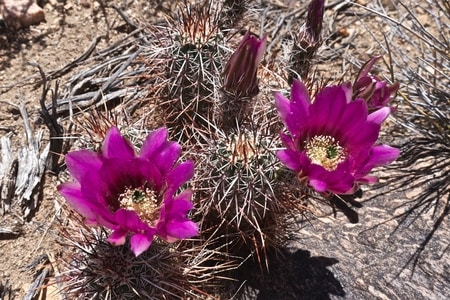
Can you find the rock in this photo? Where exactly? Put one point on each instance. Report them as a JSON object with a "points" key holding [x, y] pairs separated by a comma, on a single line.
{"points": [[21, 13], [86, 3]]}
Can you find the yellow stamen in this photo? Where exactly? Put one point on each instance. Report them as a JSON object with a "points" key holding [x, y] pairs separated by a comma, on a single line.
{"points": [[143, 201], [325, 151]]}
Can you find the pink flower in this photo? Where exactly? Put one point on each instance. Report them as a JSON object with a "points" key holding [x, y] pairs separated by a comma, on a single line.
{"points": [[132, 194], [375, 91], [331, 140], [240, 71]]}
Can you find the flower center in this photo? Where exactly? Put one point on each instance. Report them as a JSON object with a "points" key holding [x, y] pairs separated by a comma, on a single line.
{"points": [[323, 150], [143, 201]]}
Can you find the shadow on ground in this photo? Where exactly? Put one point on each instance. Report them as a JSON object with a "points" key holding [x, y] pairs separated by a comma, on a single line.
{"points": [[295, 275]]}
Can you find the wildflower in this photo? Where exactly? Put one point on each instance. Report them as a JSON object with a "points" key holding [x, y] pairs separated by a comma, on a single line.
{"points": [[375, 91], [240, 71], [331, 140], [132, 194]]}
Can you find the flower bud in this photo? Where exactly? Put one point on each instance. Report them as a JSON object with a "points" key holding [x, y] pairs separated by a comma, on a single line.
{"points": [[315, 18], [307, 41], [376, 92], [240, 71]]}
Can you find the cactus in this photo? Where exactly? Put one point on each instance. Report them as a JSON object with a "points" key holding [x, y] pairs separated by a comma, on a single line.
{"points": [[195, 53], [213, 91], [94, 268]]}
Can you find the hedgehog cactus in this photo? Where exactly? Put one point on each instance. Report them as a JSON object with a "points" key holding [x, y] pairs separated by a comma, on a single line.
{"points": [[194, 62], [96, 269], [213, 104], [238, 192]]}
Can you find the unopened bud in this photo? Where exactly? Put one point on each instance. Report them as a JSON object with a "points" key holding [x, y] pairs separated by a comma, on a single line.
{"points": [[376, 92], [307, 41], [240, 71]]}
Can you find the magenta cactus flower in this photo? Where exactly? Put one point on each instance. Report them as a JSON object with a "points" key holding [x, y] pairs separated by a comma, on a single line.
{"points": [[132, 194], [375, 91], [240, 71], [331, 140]]}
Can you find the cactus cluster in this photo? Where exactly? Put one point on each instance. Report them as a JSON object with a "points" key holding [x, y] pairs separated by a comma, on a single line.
{"points": [[206, 78], [97, 269]]}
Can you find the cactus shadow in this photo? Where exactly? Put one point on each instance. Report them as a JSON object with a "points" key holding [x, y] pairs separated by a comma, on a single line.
{"points": [[294, 275]]}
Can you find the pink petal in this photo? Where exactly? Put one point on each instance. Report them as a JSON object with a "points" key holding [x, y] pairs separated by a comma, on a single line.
{"points": [[300, 102], [72, 193], [394, 88], [383, 155], [167, 156], [379, 156], [290, 159], [300, 96], [118, 237], [363, 136], [182, 173], [318, 185], [288, 142], [140, 243], [130, 221], [365, 83], [365, 69], [368, 179], [116, 146], [328, 107], [294, 112], [352, 118], [283, 106], [292, 121], [338, 181], [153, 142], [179, 206], [186, 195], [82, 162], [118, 174], [380, 115], [348, 90], [161, 152], [259, 46], [96, 213], [181, 230]]}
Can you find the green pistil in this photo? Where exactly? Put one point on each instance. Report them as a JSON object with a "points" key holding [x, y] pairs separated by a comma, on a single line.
{"points": [[332, 152], [138, 196], [325, 151], [143, 201]]}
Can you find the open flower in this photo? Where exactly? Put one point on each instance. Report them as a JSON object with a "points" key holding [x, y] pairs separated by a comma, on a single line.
{"points": [[375, 91], [132, 194], [331, 140], [240, 71]]}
